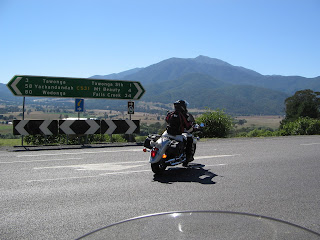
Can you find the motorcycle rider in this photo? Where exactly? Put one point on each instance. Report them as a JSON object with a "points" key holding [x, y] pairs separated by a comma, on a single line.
{"points": [[180, 121]]}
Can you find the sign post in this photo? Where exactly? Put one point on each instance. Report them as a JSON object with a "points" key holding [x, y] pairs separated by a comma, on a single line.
{"points": [[24, 102], [130, 111], [60, 87]]}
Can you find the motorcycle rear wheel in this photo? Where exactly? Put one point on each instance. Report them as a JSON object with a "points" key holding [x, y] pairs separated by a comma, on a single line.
{"points": [[158, 167]]}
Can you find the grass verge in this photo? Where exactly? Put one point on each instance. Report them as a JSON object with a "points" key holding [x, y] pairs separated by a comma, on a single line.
{"points": [[10, 142]]}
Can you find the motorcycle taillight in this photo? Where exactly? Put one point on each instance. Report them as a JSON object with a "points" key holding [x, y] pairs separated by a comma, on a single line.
{"points": [[154, 152]]}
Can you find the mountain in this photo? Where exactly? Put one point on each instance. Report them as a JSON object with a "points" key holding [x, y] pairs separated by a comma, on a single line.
{"points": [[290, 84], [174, 68], [213, 83], [6, 97], [117, 75], [188, 82], [203, 91]]}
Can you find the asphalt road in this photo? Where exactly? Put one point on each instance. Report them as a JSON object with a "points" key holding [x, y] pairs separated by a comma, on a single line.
{"points": [[63, 194]]}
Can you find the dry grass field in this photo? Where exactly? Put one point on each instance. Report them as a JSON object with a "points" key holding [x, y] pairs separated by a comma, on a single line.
{"points": [[261, 121]]}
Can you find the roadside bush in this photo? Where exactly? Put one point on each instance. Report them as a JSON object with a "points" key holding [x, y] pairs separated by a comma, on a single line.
{"points": [[301, 126], [156, 128], [41, 140], [72, 139], [217, 124], [261, 133], [118, 138], [9, 136], [140, 139]]}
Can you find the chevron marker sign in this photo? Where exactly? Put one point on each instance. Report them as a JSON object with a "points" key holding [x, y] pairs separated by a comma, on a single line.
{"points": [[34, 127], [79, 126], [120, 126], [60, 87], [54, 127]]}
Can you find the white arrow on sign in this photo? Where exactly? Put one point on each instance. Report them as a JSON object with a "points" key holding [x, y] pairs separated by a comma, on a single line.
{"points": [[139, 91], [20, 127], [94, 126], [132, 127], [65, 127], [112, 126], [44, 127], [14, 85]]}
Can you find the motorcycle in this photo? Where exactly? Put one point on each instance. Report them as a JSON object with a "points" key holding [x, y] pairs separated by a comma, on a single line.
{"points": [[168, 150]]}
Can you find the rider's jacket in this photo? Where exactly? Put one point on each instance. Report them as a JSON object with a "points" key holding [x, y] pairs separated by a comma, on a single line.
{"points": [[177, 122]]}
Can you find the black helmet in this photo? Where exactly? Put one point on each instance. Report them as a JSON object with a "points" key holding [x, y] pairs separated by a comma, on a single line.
{"points": [[181, 105]]}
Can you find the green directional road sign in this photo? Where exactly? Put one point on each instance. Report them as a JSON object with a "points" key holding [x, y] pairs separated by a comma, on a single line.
{"points": [[40, 86]]}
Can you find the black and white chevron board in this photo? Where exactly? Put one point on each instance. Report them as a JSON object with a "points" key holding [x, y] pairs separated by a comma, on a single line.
{"points": [[34, 127], [79, 126], [120, 126], [54, 127]]}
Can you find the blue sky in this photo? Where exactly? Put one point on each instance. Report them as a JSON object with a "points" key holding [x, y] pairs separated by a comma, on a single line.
{"points": [[81, 38]]}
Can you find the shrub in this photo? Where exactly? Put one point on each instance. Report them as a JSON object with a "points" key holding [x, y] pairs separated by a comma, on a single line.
{"points": [[301, 126], [118, 138], [72, 139], [217, 124], [261, 133]]}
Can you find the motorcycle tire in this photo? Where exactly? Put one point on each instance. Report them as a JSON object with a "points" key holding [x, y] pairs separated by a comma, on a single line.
{"points": [[158, 167]]}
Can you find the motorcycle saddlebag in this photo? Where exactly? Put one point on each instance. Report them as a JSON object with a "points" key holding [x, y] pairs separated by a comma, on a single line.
{"points": [[149, 139], [175, 148]]}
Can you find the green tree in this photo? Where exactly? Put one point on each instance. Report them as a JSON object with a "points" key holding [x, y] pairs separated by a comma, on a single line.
{"points": [[304, 103], [301, 126], [217, 123]]}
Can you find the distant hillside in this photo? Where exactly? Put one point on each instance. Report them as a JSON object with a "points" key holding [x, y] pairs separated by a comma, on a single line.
{"points": [[118, 76], [6, 97], [174, 68], [189, 82], [290, 84], [203, 91]]}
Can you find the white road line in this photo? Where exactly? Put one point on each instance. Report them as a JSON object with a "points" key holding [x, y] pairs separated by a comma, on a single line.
{"points": [[309, 144], [83, 177], [216, 165], [216, 156], [95, 166], [66, 159], [126, 172], [99, 166], [77, 153], [116, 168], [116, 165], [57, 179], [40, 160], [102, 174]]}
